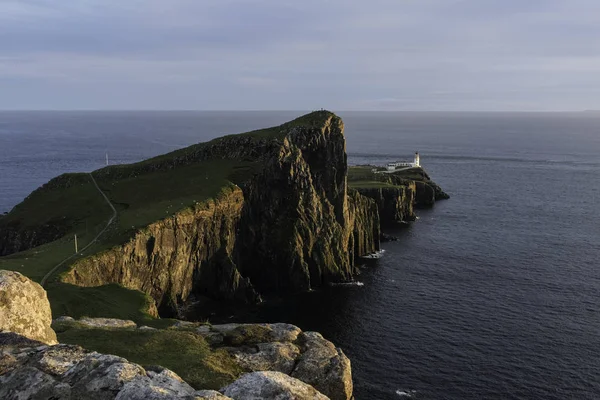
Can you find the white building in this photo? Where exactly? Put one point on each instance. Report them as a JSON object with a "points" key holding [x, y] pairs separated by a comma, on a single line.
{"points": [[393, 166]]}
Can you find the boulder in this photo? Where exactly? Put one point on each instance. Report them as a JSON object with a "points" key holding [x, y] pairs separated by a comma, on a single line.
{"points": [[271, 385], [268, 357], [111, 323], [209, 395], [324, 366], [24, 308]]}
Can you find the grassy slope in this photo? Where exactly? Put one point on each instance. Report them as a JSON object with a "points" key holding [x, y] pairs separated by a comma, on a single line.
{"points": [[185, 353], [140, 198], [363, 177]]}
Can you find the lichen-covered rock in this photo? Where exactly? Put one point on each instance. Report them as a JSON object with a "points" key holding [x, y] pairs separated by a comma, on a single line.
{"points": [[24, 308], [164, 385], [111, 323], [69, 372], [268, 357], [209, 395], [285, 348], [271, 385], [324, 366]]}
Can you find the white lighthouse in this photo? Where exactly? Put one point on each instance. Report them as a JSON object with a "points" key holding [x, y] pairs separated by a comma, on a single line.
{"points": [[417, 162]]}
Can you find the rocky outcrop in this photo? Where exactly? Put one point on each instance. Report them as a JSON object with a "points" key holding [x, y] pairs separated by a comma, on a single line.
{"points": [[365, 222], [427, 192], [324, 366], [283, 363], [271, 385], [280, 347], [395, 204], [29, 370], [296, 229], [24, 308], [284, 348]]}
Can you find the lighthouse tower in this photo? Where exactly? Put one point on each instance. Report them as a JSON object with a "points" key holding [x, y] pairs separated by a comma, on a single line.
{"points": [[417, 162]]}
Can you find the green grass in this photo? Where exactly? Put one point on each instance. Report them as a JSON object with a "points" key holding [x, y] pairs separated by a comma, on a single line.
{"points": [[362, 177], [60, 203], [111, 301], [185, 353], [371, 184], [147, 198]]}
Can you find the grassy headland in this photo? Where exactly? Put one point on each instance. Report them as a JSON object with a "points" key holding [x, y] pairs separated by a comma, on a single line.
{"points": [[142, 193]]}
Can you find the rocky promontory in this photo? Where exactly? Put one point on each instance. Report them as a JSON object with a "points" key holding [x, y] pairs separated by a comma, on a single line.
{"points": [[277, 217]]}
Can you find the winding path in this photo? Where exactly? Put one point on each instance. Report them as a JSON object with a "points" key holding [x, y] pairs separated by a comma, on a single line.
{"points": [[110, 221]]}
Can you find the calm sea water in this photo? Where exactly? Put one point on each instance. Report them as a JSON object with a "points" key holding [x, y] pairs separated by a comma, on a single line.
{"points": [[492, 294]]}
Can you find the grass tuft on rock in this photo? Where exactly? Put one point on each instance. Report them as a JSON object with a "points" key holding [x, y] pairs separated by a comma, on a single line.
{"points": [[185, 353]]}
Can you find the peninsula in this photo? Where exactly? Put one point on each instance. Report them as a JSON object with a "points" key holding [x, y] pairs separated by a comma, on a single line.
{"points": [[269, 211]]}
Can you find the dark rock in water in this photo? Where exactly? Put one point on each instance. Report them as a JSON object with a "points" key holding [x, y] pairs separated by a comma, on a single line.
{"points": [[388, 238]]}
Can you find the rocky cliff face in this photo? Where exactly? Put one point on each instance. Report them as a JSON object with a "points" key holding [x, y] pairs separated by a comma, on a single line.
{"points": [[190, 251], [292, 226], [395, 205]]}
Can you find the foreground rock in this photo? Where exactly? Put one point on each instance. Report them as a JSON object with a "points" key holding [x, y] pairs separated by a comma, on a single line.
{"points": [[284, 348], [284, 362], [279, 347], [271, 385], [30, 370], [24, 308]]}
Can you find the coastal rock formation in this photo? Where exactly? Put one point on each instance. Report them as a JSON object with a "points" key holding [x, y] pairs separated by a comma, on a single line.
{"points": [[395, 204], [291, 226], [170, 258], [324, 366], [24, 308], [281, 220], [271, 385], [306, 356]]}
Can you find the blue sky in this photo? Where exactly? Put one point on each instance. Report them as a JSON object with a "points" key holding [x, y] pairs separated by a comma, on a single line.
{"points": [[297, 55]]}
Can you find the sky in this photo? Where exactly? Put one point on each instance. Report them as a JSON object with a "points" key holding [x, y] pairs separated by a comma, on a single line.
{"points": [[423, 55]]}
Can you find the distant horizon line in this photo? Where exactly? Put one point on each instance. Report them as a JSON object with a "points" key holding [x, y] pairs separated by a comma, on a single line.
{"points": [[300, 110]]}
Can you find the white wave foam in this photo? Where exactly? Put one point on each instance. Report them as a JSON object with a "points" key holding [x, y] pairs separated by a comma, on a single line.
{"points": [[348, 284], [408, 394]]}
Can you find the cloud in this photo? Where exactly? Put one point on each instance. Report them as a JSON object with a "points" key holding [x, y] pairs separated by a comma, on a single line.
{"points": [[267, 54]]}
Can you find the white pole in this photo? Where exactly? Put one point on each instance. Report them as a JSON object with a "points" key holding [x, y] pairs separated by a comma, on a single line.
{"points": [[106, 158], [75, 243]]}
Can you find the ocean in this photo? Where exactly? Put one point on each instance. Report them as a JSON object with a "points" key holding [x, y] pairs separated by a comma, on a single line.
{"points": [[492, 294]]}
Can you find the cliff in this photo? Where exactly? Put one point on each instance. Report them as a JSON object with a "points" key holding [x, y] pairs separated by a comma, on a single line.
{"points": [[394, 204], [239, 216], [396, 194]]}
